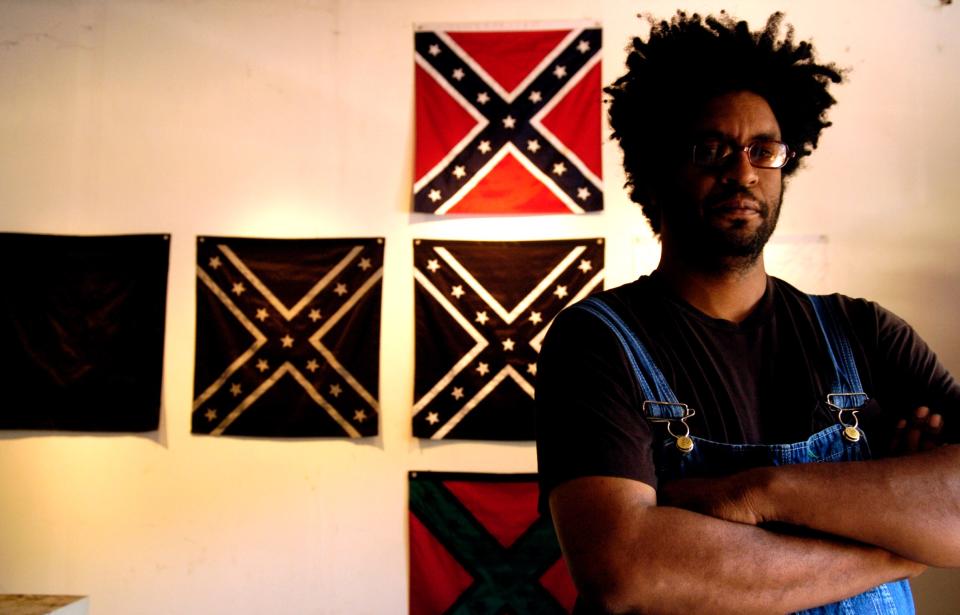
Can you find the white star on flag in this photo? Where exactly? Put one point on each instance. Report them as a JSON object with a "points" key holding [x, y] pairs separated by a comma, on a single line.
{"points": [[238, 288], [314, 315], [508, 344], [533, 145], [335, 390], [584, 266], [341, 289], [483, 369], [457, 393], [582, 193], [211, 414], [262, 365], [312, 365], [483, 98], [365, 264], [482, 317], [287, 341], [583, 46], [484, 147], [433, 418], [433, 264], [560, 72], [261, 314], [535, 96], [459, 171], [560, 292], [434, 195], [457, 291], [359, 416], [532, 369], [458, 74], [214, 262], [559, 168], [235, 389], [434, 50], [509, 121], [536, 318]]}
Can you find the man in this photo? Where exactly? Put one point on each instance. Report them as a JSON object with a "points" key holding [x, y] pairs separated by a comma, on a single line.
{"points": [[679, 416]]}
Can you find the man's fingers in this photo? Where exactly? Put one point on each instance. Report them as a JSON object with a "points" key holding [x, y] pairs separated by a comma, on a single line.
{"points": [[918, 433], [918, 424], [931, 438], [913, 438]]}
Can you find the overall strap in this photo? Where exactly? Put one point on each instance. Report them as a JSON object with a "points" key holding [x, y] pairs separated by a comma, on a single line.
{"points": [[660, 401], [846, 390]]}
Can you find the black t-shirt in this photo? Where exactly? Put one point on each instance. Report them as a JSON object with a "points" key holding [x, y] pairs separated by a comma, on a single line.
{"points": [[762, 381]]}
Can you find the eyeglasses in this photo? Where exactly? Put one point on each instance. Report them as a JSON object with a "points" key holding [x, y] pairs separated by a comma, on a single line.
{"points": [[763, 153]]}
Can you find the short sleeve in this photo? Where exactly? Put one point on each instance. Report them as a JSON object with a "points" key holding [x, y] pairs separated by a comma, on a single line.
{"points": [[588, 407], [906, 371]]}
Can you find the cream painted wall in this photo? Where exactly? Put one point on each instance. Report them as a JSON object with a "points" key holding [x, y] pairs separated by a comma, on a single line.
{"points": [[292, 118]]}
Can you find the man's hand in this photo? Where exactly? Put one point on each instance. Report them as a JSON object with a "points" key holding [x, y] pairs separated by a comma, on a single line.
{"points": [[908, 505], [730, 498], [923, 432], [737, 498], [629, 555]]}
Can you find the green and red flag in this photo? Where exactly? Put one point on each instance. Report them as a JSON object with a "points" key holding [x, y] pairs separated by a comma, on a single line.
{"points": [[478, 545]]}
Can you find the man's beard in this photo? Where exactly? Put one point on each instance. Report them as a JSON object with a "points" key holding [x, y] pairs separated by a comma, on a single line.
{"points": [[714, 248]]}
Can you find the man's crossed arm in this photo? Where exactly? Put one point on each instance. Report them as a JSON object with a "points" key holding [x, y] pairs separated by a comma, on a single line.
{"points": [[909, 506], [701, 548]]}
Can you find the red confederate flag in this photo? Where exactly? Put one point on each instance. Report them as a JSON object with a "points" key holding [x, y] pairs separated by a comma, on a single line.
{"points": [[508, 120]]}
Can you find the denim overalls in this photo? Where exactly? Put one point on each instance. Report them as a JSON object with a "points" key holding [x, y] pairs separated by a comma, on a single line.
{"points": [[683, 455]]}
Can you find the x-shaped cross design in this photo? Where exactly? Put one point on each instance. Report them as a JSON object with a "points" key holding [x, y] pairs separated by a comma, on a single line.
{"points": [[507, 122], [287, 341]]}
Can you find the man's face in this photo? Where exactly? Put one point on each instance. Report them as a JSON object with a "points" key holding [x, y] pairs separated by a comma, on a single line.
{"points": [[721, 217]]}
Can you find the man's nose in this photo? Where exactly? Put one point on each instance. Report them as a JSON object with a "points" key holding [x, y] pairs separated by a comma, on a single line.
{"points": [[739, 170]]}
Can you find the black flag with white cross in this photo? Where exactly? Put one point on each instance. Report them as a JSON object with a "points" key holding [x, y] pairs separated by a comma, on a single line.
{"points": [[482, 311], [288, 337]]}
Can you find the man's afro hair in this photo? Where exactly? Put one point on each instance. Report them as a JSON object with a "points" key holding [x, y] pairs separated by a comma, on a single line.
{"points": [[688, 60]]}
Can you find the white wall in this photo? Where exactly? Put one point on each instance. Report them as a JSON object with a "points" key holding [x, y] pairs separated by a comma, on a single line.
{"points": [[293, 118]]}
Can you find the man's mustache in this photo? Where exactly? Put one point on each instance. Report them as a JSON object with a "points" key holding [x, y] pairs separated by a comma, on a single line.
{"points": [[737, 193]]}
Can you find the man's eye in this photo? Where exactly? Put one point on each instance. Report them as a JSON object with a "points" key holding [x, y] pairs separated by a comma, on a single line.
{"points": [[710, 151], [765, 150]]}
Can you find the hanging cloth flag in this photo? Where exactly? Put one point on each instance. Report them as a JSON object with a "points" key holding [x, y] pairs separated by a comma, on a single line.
{"points": [[81, 331], [507, 119], [482, 311], [478, 545], [288, 337]]}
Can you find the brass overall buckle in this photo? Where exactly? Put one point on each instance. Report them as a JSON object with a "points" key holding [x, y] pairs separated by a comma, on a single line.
{"points": [[851, 432], [683, 441]]}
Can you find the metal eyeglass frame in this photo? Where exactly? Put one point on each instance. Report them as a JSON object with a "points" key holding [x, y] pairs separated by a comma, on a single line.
{"points": [[736, 148]]}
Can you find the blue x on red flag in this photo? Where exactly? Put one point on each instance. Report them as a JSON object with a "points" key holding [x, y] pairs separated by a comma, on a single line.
{"points": [[507, 120], [288, 337], [482, 310]]}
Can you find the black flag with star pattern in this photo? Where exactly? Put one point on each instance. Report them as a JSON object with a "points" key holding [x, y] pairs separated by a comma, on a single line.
{"points": [[81, 331], [482, 311], [288, 337]]}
